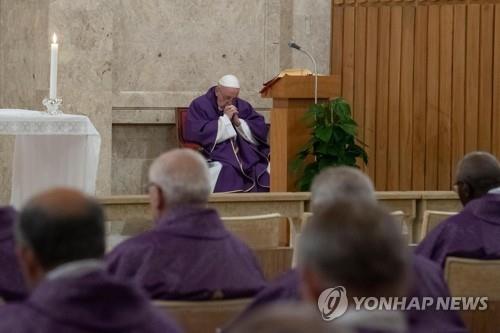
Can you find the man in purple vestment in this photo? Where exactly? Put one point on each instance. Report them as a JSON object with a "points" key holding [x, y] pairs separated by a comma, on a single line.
{"points": [[12, 287], [233, 137], [475, 231], [426, 279], [60, 240], [358, 247], [189, 254]]}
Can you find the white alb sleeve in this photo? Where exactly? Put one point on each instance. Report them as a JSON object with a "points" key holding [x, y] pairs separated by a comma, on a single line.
{"points": [[245, 131], [225, 129]]}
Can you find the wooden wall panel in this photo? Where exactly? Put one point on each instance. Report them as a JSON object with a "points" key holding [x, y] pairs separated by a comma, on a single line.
{"points": [[406, 109], [423, 78], [458, 90], [394, 99], [419, 97], [445, 96], [496, 86]]}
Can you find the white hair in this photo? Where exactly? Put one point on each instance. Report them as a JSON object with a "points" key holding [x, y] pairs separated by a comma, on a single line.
{"points": [[182, 175], [335, 183]]}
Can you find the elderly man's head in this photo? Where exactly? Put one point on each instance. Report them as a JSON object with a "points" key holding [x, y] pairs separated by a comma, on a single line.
{"points": [[178, 177], [57, 227], [353, 244], [335, 183], [227, 90], [477, 173]]}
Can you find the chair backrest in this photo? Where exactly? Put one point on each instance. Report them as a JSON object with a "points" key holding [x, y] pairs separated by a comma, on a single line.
{"points": [[257, 231], [180, 122], [470, 277], [274, 261], [431, 219], [203, 316]]}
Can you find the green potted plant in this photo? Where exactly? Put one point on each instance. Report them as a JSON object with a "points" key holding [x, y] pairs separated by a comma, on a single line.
{"points": [[332, 142]]}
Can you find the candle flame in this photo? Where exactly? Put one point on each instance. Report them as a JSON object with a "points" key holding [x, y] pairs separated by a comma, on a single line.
{"points": [[54, 38]]}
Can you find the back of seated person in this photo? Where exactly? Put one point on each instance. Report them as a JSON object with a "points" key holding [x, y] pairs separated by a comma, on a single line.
{"points": [[12, 287], [189, 254], [285, 318], [475, 231], [426, 279], [60, 241], [355, 245]]}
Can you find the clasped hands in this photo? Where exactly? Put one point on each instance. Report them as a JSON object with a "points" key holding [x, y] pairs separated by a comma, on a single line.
{"points": [[232, 113]]}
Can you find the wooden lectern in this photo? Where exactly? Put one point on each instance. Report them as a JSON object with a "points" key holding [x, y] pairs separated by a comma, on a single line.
{"points": [[292, 96]]}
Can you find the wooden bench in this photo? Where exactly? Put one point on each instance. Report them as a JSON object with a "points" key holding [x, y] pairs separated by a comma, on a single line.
{"points": [[203, 316]]}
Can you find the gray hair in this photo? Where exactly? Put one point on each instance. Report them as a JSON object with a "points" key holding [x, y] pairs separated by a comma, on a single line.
{"points": [[182, 175], [356, 244], [336, 183]]}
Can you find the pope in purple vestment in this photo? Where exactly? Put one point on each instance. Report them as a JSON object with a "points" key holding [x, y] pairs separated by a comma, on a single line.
{"points": [[426, 280], [473, 233], [92, 302], [237, 141], [189, 255], [12, 286]]}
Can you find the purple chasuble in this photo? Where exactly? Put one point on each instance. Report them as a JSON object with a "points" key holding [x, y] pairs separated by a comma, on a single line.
{"points": [[12, 285], [94, 302], [188, 255], [427, 280], [244, 165], [473, 233]]}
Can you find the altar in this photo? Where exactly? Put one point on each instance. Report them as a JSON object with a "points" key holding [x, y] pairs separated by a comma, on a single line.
{"points": [[50, 151]]}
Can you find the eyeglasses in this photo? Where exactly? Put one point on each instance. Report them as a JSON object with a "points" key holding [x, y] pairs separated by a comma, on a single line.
{"points": [[458, 185]]}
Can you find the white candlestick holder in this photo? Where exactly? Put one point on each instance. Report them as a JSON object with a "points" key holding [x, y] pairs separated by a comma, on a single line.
{"points": [[53, 106]]}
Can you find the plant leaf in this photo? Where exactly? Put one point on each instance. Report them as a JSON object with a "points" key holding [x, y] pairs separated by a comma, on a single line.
{"points": [[324, 133]]}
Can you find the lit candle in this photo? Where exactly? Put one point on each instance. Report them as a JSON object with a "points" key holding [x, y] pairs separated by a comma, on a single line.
{"points": [[53, 67]]}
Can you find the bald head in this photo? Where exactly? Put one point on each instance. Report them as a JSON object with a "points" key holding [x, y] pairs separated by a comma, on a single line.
{"points": [[182, 175], [333, 184], [477, 173], [60, 226]]}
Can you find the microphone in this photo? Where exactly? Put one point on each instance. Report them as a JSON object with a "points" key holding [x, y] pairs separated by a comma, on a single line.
{"points": [[293, 45]]}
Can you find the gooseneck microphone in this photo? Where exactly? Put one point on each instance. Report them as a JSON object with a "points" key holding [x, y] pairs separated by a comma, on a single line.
{"points": [[293, 45]]}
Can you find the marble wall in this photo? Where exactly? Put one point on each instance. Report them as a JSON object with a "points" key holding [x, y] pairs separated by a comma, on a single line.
{"points": [[128, 64], [85, 28], [185, 47]]}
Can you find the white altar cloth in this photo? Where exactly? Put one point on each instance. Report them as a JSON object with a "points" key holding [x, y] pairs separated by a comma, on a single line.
{"points": [[50, 151]]}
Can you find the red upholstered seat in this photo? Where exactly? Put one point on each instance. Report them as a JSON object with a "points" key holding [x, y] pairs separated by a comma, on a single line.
{"points": [[180, 121]]}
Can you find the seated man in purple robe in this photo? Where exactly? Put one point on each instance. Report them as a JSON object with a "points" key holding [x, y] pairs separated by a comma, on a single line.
{"points": [[12, 286], [475, 231], [189, 254], [426, 279], [358, 246], [60, 241], [233, 137]]}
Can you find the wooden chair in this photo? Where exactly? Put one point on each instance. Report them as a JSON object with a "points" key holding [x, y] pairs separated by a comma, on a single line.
{"points": [[274, 261], [180, 121], [203, 316], [470, 277], [258, 231], [262, 234], [431, 219]]}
